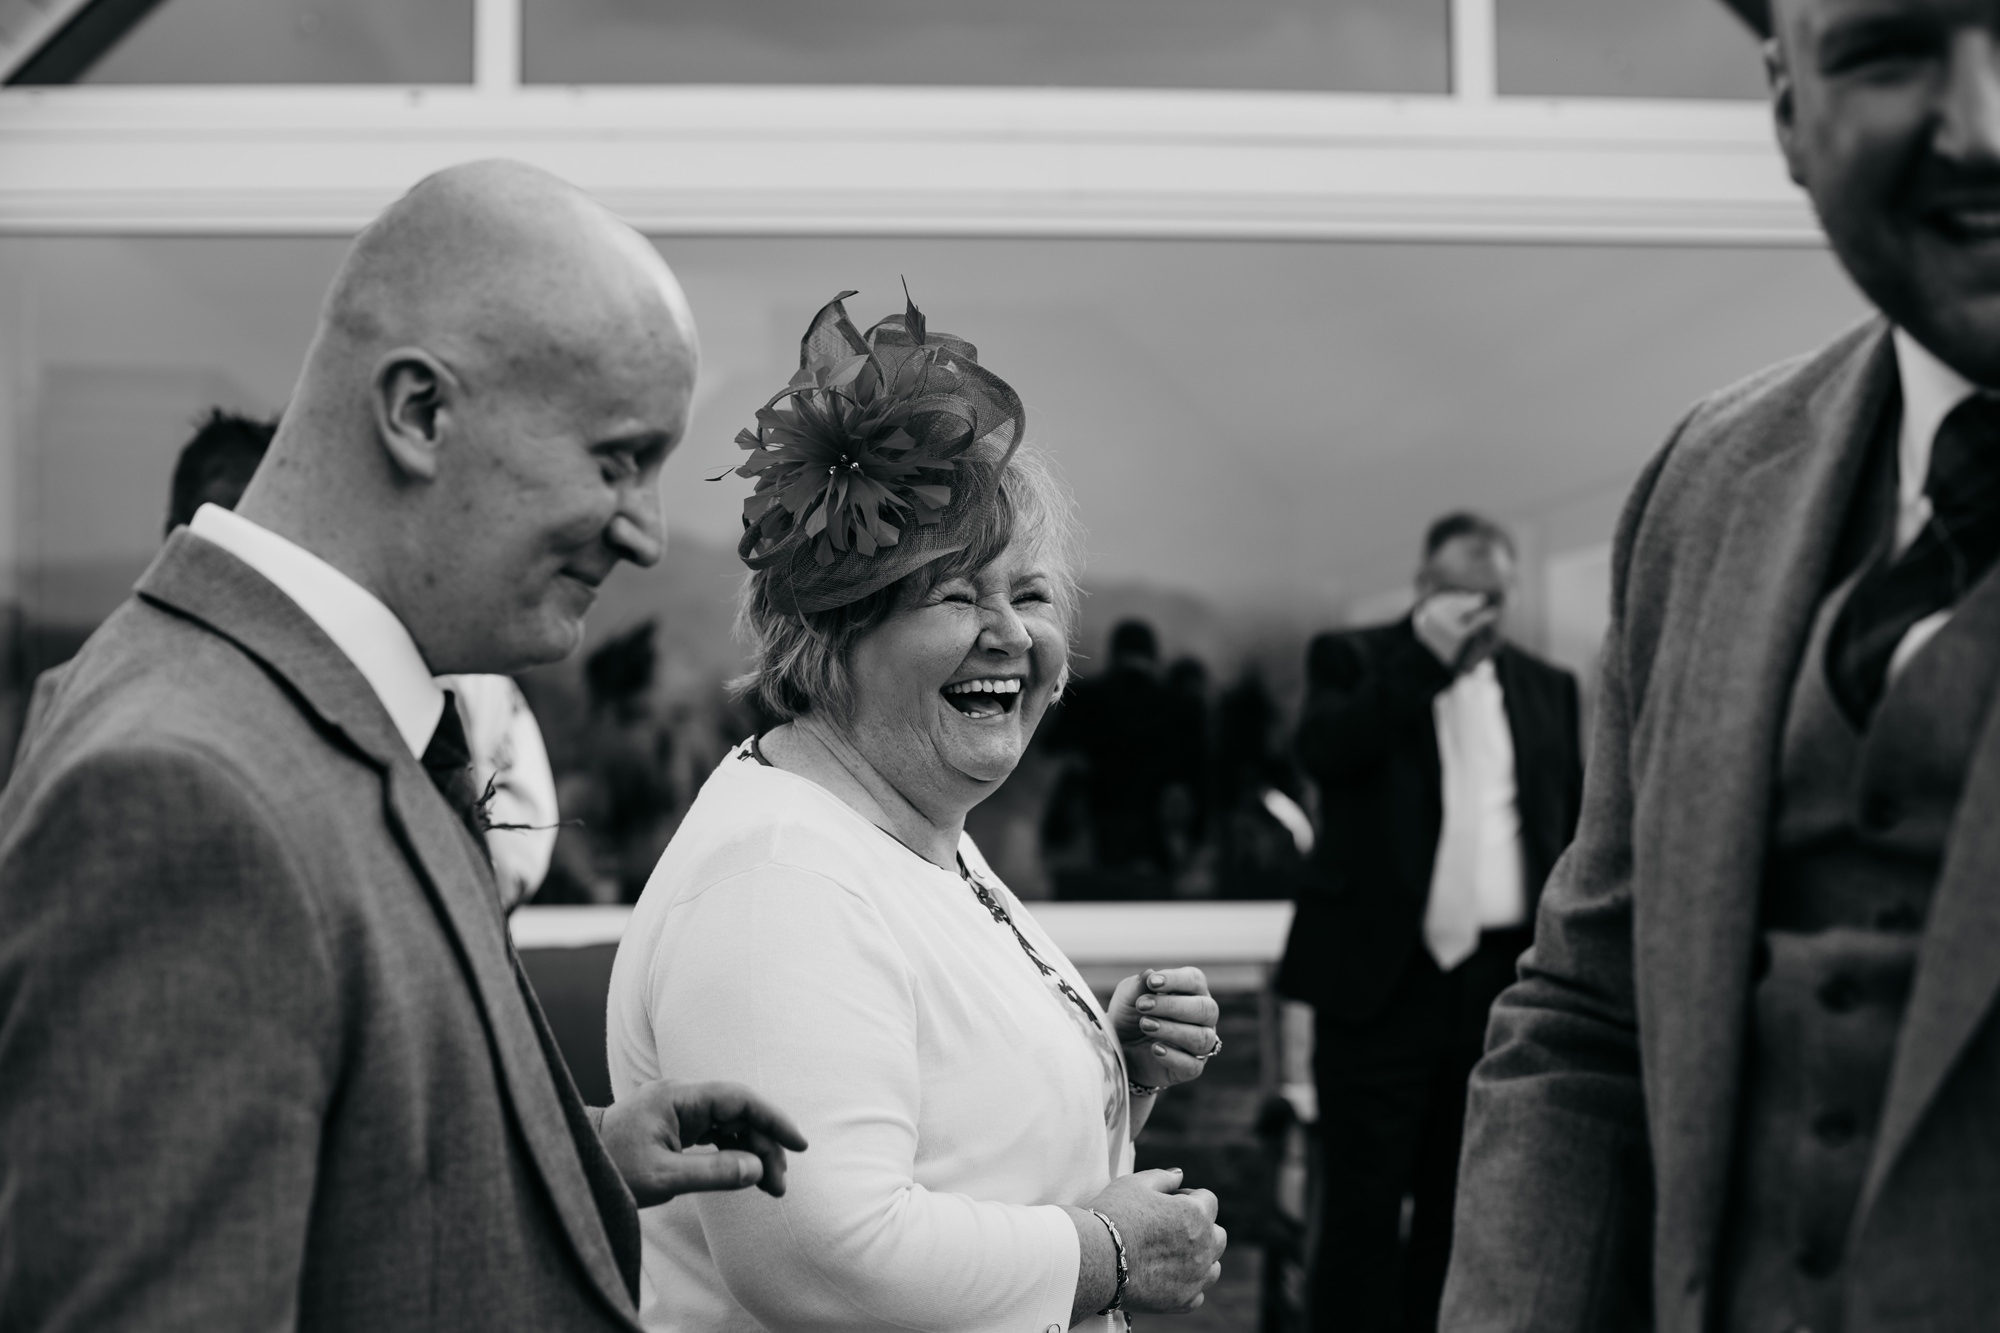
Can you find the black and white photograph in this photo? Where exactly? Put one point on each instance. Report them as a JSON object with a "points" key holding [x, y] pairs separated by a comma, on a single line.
{"points": [[1000, 666]]}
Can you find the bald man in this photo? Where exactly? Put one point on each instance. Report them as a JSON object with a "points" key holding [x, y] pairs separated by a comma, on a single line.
{"points": [[267, 1058]]}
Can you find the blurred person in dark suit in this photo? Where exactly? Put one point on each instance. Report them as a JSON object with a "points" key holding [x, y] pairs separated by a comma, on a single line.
{"points": [[621, 796], [1189, 795], [1117, 721], [510, 763], [1449, 772], [1750, 1076], [215, 466], [267, 1056], [1263, 836]]}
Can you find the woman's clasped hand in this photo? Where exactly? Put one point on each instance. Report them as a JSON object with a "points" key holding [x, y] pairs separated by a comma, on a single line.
{"points": [[1165, 1020], [1173, 1247]]}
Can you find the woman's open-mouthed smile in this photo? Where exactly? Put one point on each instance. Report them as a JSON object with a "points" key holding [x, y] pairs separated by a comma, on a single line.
{"points": [[984, 697]]}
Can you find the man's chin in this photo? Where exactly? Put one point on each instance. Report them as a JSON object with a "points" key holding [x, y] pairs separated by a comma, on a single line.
{"points": [[1946, 295], [556, 637], [1965, 335]]}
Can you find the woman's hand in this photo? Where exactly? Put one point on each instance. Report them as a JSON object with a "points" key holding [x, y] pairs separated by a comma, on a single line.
{"points": [[1165, 1020], [1173, 1248]]}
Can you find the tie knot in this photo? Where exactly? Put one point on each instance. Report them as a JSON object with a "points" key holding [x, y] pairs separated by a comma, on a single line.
{"points": [[448, 749], [1964, 479]]}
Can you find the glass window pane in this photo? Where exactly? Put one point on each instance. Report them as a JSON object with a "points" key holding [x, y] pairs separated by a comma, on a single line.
{"points": [[1627, 48], [295, 41], [1256, 435], [1346, 45]]}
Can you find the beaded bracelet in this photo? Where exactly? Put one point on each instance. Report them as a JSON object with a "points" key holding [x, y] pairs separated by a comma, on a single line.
{"points": [[1124, 1272]]}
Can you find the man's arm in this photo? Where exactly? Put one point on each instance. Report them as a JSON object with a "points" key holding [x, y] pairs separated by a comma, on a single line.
{"points": [[1553, 1226], [1358, 705], [169, 1041]]}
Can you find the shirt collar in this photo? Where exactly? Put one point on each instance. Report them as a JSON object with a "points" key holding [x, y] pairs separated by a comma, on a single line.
{"points": [[355, 619], [1931, 389]]}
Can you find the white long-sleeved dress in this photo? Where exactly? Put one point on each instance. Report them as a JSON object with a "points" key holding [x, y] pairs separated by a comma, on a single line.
{"points": [[952, 1095]]}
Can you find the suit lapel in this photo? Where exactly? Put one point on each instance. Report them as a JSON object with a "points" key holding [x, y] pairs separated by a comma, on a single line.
{"points": [[1958, 963], [1703, 818], [1430, 766], [1526, 707], [197, 579], [1523, 705]]}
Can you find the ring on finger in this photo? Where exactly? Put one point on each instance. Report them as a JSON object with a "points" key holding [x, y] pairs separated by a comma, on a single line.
{"points": [[1212, 1051]]}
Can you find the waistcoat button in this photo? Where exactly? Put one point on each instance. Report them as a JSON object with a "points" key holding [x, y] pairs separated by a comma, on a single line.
{"points": [[1880, 811], [1834, 1128], [1839, 995], [1760, 960], [1903, 918]]}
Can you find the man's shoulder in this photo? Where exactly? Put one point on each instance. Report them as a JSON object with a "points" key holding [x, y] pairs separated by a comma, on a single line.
{"points": [[152, 683], [1737, 427]]}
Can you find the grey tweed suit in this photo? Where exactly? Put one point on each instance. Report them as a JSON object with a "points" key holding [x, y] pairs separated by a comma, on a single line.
{"points": [[1597, 1162], [266, 1057]]}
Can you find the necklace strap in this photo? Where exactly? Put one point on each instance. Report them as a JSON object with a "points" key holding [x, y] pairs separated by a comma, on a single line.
{"points": [[993, 905]]}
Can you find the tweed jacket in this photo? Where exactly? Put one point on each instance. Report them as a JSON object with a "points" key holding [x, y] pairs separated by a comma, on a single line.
{"points": [[266, 1056], [1601, 1122]]}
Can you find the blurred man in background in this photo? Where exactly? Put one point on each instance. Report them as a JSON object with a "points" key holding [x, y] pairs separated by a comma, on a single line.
{"points": [[1449, 771], [510, 763], [1118, 723]]}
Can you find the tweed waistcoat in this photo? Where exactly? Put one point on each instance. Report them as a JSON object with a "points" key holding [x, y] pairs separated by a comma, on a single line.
{"points": [[1860, 828]]}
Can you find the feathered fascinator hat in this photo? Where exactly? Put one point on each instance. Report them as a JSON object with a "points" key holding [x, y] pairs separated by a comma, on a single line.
{"points": [[876, 459]]}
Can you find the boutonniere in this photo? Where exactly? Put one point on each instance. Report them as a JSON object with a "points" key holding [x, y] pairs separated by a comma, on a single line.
{"points": [[482, 809]]}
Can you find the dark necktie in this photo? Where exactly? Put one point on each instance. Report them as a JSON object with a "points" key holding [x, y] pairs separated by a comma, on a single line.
{"points": [[1952, 552], [448, 761]]}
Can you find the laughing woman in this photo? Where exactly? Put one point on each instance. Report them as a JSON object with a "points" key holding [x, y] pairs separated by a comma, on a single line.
{"points": [[822, 927]]}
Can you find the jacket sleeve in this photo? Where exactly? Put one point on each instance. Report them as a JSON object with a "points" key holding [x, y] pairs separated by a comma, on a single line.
{"points": [[168, 1031], [1360, 704], [1553, 1222], [804, 995]]}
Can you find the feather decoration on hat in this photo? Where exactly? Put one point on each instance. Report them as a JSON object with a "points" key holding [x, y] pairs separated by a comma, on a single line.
{"points": [[864, 443]]}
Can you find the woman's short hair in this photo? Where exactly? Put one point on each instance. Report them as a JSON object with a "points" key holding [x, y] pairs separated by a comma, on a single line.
{"points": [[800, 662]]}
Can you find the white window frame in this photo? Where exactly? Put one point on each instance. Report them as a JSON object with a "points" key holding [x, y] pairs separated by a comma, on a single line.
{"points": [[776, 161]]}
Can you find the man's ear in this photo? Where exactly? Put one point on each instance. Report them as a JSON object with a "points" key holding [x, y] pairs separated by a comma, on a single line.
{"points": [[412, 393], [1784, 110]]}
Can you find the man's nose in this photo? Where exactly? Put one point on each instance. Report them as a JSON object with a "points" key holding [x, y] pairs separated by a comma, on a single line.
{"points": [[1969, 123], [638, 530]]}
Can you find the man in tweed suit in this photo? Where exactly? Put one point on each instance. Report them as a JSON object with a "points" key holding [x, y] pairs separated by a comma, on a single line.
{"points": [[267, 1058], [1749, 1078]]}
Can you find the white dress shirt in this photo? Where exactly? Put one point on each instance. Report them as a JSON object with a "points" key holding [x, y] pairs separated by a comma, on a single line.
{"points": [[1931, 389], [1477, 880], [510, 759], [355, 619], [500, 731]]}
